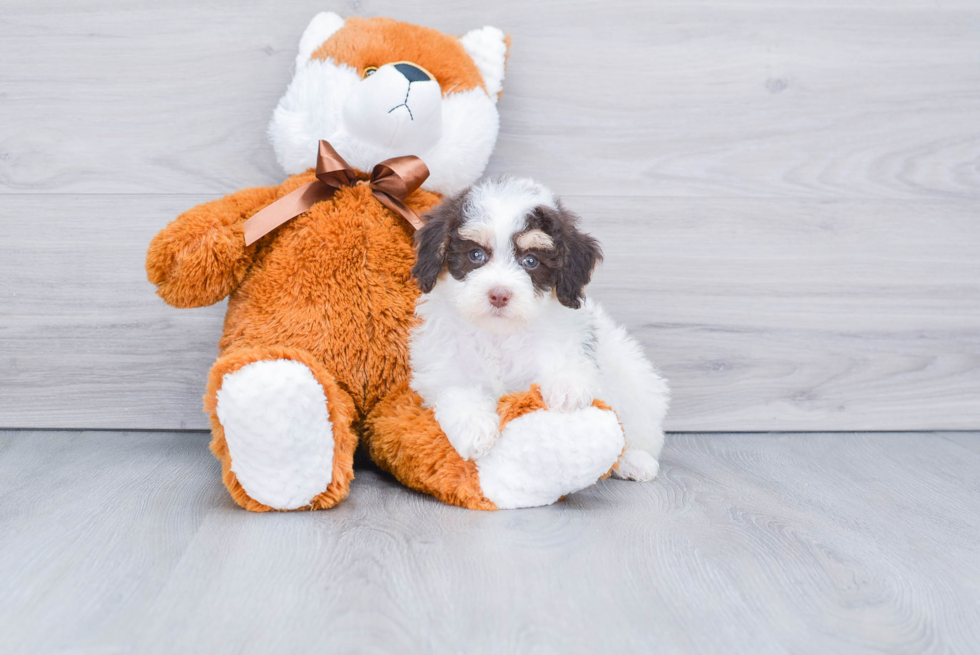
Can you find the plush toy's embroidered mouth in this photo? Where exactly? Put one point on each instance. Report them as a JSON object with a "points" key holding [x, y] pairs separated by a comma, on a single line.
{"points": [[412, 73], [399, 107]]}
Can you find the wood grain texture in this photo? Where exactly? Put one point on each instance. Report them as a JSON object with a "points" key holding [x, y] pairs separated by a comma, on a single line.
{"points": [[756, 544], [764, 314], [787, 193], [856, 100]]}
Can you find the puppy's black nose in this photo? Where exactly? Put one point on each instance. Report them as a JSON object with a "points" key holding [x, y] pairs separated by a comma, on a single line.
{"points": [[412, 72]]}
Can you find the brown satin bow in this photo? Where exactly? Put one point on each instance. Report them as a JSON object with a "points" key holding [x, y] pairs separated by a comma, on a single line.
{"points": [[391, 182]]}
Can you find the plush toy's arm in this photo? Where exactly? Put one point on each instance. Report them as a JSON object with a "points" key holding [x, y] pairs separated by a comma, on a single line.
{"points": [[201, 257]]}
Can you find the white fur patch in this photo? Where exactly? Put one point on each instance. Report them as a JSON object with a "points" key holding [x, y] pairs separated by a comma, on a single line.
{"points": [[469, 420], [488, 48], [274, 414], [388, 111], [310, 110], [545, 455], [503, 204], [629, 383], [313, 108], [576, 355], [321, 28]]}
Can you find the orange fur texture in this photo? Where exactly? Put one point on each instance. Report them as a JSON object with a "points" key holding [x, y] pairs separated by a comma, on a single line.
{"points": [[331, 288], [377, 41], [405, 439], [518, 404]]}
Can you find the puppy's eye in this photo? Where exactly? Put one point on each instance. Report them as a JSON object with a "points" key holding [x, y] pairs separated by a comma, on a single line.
{"points": [[369, 71], [530, 262], [478, 256]]}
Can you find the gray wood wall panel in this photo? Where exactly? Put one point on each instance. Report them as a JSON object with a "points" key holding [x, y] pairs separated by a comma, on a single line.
{"points": [[754, 544], [764, 314], [668, 98], [788, 193]]}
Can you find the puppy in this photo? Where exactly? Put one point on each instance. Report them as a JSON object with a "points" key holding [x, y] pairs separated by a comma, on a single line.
{"points": [[502, 268]]}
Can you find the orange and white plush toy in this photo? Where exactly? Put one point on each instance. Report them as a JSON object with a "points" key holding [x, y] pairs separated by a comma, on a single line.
{"points": [[314, 357]]}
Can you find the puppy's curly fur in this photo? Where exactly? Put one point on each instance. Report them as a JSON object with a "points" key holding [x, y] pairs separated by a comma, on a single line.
{"points": [[504, 267]]}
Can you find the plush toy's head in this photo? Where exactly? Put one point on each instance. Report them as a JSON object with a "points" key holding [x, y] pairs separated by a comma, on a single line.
{"points": [[376, 88]]}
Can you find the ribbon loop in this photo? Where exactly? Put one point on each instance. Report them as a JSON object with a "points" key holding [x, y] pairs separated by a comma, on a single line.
{"points": [[331, 169], [392, 181]]}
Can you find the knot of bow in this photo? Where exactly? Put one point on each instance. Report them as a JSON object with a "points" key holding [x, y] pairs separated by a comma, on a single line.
{"points": [[391, 182]]}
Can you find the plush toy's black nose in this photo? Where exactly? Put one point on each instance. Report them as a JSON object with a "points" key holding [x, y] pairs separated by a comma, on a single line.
{"points": [[412, 73]]}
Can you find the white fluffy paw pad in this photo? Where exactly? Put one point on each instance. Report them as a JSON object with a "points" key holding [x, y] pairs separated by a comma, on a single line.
{"points": [[637, 465], [545, 455], [274, 414]]}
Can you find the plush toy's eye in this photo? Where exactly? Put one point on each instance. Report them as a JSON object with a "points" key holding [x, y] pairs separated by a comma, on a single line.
{"points": [[369, 71], [530, 262], [478, 256]]}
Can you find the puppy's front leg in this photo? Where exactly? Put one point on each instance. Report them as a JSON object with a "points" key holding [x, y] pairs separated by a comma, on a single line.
{"points": [[469, 418], [571, 385]]}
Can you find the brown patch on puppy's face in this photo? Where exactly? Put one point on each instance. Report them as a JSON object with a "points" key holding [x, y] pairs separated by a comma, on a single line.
{"points": [[548, 249], [464, 256], [563, 258], [444, 240]]}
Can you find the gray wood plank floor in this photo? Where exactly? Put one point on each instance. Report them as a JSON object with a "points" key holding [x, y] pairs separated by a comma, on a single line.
{"points": [[116, 542]]}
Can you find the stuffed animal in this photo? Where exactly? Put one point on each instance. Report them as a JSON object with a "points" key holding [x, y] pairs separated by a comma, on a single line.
{"points": [[313, 356]]}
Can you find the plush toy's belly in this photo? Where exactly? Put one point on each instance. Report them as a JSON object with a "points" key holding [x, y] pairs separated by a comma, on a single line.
{"points": [[335, 282]]}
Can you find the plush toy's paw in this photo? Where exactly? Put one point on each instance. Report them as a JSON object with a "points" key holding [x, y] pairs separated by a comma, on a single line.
{"points": [[275, 420], [543, 455], [567, 394], [637, 465], [196, 261], [475, 436]]}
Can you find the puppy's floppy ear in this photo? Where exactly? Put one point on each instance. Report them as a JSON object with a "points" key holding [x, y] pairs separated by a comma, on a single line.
{"points": [[430, 252], [581, 254], [432, 240]]}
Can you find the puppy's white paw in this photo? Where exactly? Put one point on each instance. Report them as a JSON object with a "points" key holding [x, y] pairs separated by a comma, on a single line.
{"points": [[475, 436], [567, 395], [637, 465]]}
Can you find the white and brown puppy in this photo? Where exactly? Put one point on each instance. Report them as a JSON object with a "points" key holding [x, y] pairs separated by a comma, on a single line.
{"points": [[502, 268]]}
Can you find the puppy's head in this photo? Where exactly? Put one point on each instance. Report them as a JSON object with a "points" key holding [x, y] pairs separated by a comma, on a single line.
{"points": [[502, 249]]}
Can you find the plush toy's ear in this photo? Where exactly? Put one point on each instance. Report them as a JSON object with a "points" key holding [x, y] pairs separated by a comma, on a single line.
{"points": [[319, 30], [488, 47]]}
